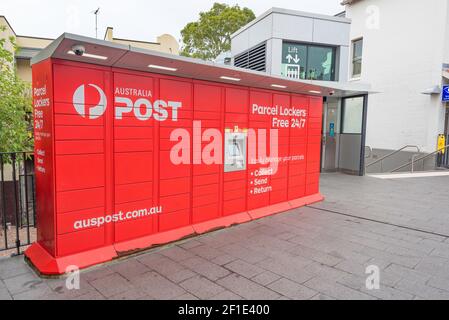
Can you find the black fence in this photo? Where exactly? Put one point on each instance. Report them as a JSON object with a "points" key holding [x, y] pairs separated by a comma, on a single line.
{"points": [[17, 202]]}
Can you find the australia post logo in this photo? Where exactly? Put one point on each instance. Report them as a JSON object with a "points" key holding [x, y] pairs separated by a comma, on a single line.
{"points": [[90, 112], [137, 103]]}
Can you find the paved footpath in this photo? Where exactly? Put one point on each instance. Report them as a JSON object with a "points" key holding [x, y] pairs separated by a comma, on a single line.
{"points": [[320, 252]]}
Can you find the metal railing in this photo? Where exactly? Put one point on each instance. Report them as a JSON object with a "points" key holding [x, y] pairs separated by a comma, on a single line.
{"points": [[17, 202], [368, 152], [389, 156], [414, 160]]}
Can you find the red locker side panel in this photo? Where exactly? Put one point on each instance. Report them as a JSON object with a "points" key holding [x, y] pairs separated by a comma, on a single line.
{"points": [[43, 102]]}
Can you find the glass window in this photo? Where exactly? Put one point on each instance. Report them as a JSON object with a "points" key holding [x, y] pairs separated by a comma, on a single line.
{"points": [[357, 52], [352, 115], [320, 65], [302, 61]]}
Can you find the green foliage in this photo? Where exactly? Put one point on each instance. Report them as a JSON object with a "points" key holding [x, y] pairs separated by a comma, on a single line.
{"points": [[15, 103], [211, 34]]}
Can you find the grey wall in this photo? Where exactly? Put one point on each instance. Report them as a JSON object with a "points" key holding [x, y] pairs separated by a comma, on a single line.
{"points": [[350, 149], [278, 25]]}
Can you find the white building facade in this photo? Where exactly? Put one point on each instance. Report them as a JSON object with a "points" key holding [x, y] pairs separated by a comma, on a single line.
{"points": [[403, 52]]}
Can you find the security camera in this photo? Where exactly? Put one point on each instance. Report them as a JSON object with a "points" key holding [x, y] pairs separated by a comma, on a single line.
{"points": [[78, 49], [332, 93]]}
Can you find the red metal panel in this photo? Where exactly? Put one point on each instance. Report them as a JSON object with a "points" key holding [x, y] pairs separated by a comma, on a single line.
{"points": [[206, 190], [315, 126], [205, 180], [133, 167], [206, 169], [68, 78], [316, 107], [77, 242], [133, 229], [74, 147], [312, 189], [168, 170], [175, 186], [313, 153], [76, 172], [133, 192], [79, 133], [174, 220], [208, 118], [236, 100], [80, 199], [278, 196], [205, 95], [235, 193], [205, 213], [67, 221], [234, 206], [175, 203], [129, 133], [127, 146], [200, 201]]}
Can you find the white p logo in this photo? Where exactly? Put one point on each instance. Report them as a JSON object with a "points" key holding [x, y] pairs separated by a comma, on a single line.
{"points": [[79, 102]]}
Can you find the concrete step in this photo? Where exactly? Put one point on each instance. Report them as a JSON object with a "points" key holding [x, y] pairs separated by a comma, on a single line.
{"points": [[408, 175]]}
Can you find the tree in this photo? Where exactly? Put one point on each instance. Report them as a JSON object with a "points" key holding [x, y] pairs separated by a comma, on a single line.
{"points": [[15, 103], [211, 34]]}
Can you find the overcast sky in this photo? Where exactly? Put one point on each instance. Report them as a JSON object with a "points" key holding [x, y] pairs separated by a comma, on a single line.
{"points": [[132, 19]]}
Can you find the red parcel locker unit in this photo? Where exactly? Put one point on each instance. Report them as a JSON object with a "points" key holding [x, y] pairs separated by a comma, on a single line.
{"points": [[127, 158]]}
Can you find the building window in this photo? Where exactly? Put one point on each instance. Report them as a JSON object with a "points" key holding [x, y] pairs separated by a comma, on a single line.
{"points": [[352, 118], [310, 62], [357, 52], [320, 64]]}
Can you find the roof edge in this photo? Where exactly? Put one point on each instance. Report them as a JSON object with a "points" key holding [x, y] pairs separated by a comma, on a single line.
{"points": [[9, 25], [297, 13]]}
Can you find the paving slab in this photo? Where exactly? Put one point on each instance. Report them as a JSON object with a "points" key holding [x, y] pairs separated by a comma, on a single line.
{"points": [[201, 287]]}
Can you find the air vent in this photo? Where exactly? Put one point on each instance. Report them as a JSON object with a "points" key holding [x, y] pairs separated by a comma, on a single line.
{"points": [[254, 59]]}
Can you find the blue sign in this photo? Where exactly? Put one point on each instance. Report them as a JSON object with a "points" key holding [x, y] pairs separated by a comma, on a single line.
{"points": [[332, 129], [446, 94]]}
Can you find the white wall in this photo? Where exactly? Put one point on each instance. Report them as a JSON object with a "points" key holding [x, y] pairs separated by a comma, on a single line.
{"points": [[403, 51]]}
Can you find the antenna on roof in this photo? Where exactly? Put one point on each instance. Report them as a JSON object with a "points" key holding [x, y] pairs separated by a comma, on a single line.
{"points": [[96, 13]]}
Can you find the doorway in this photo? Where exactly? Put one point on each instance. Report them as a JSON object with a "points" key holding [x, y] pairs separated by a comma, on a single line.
{"points": [[343, 135], [331, 135]]}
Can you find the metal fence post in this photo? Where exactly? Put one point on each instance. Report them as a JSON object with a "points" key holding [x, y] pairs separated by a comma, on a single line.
{"points": [[16, 201]]}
